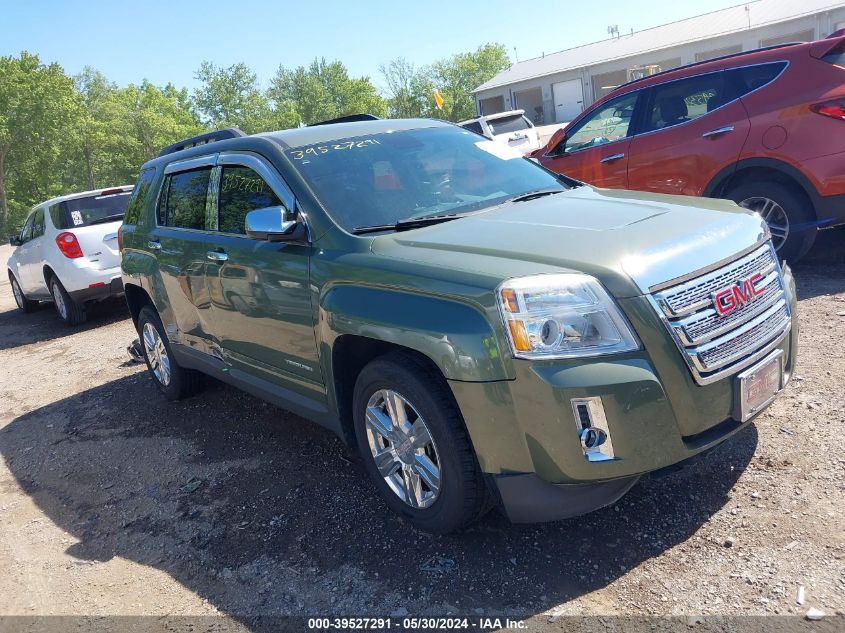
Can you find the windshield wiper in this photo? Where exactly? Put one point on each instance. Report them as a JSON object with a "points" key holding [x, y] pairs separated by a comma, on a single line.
{"points": [[539, 193], [108, 218], [404, 225]]}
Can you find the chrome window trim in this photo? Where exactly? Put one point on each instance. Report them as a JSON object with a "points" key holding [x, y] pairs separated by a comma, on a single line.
{"points": [[209, 160], [271, 176]]}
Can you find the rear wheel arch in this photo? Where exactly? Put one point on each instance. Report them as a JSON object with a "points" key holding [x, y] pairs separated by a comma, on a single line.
{"points": [[48, 273], [136, 299], [764, 169]]}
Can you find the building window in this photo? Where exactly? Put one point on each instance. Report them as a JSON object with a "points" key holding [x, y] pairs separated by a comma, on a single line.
{"points": [[703, 56], [801, 36]]}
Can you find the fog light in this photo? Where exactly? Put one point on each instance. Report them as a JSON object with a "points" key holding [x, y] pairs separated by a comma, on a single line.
{"points": [[593, 432]]}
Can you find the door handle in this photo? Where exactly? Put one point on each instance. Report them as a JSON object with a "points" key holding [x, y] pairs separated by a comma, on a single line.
{"points": [[154, 245], [612, 157], [721, 130], [217, 256]]}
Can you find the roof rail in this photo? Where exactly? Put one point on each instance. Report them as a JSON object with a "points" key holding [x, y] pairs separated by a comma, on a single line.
{"points": [[349, 118], [707, 61], [202, 139]]}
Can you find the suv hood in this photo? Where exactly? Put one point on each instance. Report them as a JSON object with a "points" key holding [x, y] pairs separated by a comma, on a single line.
{"points": [[630, 241]]}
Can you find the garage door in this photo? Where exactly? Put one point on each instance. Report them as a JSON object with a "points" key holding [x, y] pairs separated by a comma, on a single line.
{"points": [[569, 99]]}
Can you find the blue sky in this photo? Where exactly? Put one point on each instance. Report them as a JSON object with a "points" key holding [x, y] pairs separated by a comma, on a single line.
{"points": [[167, 41]]}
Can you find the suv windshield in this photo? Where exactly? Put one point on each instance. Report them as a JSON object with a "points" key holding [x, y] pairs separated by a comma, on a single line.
{"points": [[94, 210], [385, 178]]}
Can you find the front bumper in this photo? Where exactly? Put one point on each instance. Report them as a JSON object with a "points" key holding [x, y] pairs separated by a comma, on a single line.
{"points": [[526, 436]]}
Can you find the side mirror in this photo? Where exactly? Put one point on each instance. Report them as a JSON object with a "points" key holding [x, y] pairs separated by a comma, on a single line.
{"points": [[15, 240], [555, 140], [269, 224]]}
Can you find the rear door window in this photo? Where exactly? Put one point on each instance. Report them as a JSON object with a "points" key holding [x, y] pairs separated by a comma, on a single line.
{"points": [[685, 100], [509, 124], [242, 190], [185, 199], [37, 224], [750, 78], [108, 207]]}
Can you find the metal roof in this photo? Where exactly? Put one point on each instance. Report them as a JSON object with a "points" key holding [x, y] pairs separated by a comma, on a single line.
{"points": [[702, 27]]}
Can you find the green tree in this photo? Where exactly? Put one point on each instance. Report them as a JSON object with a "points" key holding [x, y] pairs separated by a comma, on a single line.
{"points": [[409, 90], [39, 111], [323, 91], [457, 76], [231, 97], [99, 129]]}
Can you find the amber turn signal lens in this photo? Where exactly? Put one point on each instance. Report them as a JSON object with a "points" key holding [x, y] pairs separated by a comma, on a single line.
{"points": [[519, 336]]}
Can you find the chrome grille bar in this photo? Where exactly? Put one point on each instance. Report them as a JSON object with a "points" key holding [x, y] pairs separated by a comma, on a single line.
{"points": [[714, 345]]}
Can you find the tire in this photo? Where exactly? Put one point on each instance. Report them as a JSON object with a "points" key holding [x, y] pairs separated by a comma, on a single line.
{"points": [[773, 200], [24, 305], [174, 381], [68, 310], [461, 495]]}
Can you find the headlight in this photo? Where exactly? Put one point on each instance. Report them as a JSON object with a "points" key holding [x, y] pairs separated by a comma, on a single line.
{"points": [[563, 315]]}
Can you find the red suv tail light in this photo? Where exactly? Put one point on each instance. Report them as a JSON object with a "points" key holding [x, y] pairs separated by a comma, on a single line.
{"points": [[69, 245], [833, 109]]}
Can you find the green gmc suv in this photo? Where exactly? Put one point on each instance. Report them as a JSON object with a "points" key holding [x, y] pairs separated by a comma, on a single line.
{"points": [[485, 331]]}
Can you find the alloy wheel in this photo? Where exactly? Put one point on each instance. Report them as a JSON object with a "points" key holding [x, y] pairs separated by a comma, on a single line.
{"points": [[16, 290], [59, 300], [403, 449], [773, 214], [156, 354]]}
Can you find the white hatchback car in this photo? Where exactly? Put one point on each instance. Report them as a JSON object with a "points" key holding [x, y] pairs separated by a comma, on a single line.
{"points": [[68, 252], [512, 128]]}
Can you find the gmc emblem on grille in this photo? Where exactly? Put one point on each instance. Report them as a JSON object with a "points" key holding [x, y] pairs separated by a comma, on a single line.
{"points": [[737, 295]]}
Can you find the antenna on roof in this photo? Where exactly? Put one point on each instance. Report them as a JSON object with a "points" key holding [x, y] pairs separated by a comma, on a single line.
{"points": [[613, 30], [515, 54]]}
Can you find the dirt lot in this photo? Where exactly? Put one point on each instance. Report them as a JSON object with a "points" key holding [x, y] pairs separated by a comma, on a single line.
{"points": [[114, 501]]}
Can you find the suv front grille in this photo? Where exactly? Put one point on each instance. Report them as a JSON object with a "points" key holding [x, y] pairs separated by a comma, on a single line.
{"points": [[716, 346]]}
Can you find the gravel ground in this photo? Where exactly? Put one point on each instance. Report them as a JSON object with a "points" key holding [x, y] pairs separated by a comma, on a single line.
{"points": [[114, 501]]}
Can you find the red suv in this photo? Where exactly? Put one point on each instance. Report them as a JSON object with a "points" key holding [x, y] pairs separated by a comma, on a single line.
{"points": [[765, 128]]}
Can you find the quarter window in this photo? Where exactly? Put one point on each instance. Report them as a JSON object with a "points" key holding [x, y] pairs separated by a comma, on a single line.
{"points": [[685, 100], [473, 126], [745, 80], [56, 216], [609, 122], [186, 194], [242, 190]]}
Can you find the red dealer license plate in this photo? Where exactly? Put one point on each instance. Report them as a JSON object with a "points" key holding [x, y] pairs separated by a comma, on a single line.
{"points": [[760, 384]]}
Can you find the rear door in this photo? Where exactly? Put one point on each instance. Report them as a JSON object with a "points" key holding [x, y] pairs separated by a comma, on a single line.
{"points": [[692, 128], [595, 149], [180, 242], [262, 316]]}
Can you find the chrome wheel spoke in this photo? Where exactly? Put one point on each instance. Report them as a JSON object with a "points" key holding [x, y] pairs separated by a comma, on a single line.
{"points": [[386, 463], [413, 487], [419, 431], [379, 422], [396, 408], [430, 474]]}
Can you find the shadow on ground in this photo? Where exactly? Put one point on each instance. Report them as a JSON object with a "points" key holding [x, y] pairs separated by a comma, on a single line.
{"points": [[18, 329], [262, 513], [822, 268]]}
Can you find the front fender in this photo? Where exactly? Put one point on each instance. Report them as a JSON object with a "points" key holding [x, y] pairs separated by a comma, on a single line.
{"points": [[456, 336]]}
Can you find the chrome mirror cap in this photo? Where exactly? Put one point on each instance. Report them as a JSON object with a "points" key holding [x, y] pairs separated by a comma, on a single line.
{"points": [[269, 224]]}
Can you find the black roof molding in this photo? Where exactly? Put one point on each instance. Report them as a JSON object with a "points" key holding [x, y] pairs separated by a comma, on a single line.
{"points": [[202, 139], [349, 118]]}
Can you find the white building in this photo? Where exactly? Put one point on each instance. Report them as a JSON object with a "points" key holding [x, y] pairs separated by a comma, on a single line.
{"points": [[556, 87]]}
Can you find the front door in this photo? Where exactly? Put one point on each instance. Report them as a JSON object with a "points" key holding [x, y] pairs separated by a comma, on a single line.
{"points": [[595, 149], [262, 315], [31, 255], [692, 129]]}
